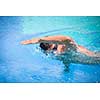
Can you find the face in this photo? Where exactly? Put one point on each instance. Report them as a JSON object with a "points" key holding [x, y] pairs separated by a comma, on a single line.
{"points": [[51, 46]]}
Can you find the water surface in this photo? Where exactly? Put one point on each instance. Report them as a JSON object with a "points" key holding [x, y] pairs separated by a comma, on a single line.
{"points": [[27, 63]]}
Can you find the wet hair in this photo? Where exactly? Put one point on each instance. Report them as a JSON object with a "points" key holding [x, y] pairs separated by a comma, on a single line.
{"points": [[45, 46]]}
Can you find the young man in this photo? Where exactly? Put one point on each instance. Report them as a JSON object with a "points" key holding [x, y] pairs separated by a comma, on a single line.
{"points": [[66, 46]]}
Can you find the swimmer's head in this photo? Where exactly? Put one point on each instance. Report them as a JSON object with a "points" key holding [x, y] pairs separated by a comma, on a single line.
{"points": [[45, 46]]}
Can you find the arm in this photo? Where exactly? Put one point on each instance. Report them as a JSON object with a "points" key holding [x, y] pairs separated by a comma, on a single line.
{"points": [[59, 39], [51, 39]]}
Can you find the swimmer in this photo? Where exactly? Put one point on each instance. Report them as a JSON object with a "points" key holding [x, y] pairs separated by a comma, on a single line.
{"points": [[67, 49]]}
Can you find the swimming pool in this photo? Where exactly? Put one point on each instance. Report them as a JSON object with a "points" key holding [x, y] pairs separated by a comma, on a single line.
{"points": [[27, 63]]}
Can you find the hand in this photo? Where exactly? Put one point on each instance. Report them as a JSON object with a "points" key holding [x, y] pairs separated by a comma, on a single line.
{"points": [[26, 42]]}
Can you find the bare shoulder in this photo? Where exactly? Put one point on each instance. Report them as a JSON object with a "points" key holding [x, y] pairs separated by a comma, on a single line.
{"points": [[60, 37]]}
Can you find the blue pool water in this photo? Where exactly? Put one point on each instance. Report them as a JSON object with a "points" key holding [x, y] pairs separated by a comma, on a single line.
{"points": [[27, 63]]}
